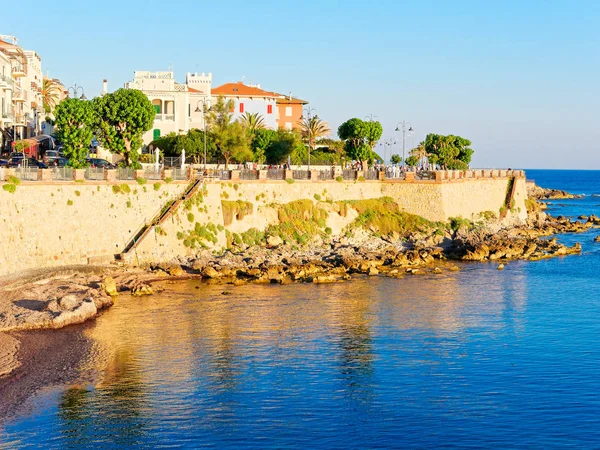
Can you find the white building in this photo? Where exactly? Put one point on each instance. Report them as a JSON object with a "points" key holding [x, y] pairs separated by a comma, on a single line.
{"points": [[20, 92], [178, 106], [250, 99]]}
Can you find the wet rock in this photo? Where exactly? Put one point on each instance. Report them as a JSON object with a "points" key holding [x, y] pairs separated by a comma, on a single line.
{"points": [[110, 286], [142, 289], [500, 266], [176, 270], [211, 272], [372, 271], [70, 301], [274, 241]]}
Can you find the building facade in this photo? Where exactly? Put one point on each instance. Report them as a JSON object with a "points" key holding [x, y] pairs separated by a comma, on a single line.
{"points": [[21, 98], [178, 106], [249, 99], [289, 112]]}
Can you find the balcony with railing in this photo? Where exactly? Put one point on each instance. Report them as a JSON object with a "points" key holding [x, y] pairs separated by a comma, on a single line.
{"points": [[19, 119], [6, 82], [165, 117], [19, 70], [19, 95]]}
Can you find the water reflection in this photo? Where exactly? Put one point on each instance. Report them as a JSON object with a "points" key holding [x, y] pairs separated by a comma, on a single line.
{"points": [[195, 366]]}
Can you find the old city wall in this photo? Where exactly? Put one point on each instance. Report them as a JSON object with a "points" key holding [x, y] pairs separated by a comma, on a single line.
{"points": [[57, 224]]}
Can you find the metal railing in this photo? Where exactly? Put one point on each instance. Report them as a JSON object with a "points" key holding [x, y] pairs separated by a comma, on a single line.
{"points": [[154, 173], [27, 173], [248, 174], [125, 173], [94, 173], [425, 175], [275, 174], [179, 174], [301, 174], [394, 174], [172, 161], [371, 174], [326, 174], [349, 174], [61, 173]]}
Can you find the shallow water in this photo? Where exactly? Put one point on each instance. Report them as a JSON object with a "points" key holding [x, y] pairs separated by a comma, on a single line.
{"points": [[478, 358]]}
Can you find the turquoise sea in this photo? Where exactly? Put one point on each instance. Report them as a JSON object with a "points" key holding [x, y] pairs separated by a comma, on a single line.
{"points": [[480, 358]]}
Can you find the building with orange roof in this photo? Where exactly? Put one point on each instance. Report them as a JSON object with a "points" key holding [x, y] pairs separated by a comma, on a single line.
{"points": [[249, 99], [289, 112]]}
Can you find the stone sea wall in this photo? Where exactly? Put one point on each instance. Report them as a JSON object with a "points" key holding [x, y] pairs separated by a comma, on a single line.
{"points": [[56, 224]]}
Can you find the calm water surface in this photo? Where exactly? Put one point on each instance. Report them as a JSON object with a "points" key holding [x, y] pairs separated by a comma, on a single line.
{"points": [[478, 358]]}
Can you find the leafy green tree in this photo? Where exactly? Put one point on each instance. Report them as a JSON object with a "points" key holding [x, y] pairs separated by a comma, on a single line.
{"points": [[230, 138], [450, 152], [312, 129], [412, 161], [75, 119], [261, 141], [123, 117], [286, 143], [253, 122], [396, 159], [360, 137]]}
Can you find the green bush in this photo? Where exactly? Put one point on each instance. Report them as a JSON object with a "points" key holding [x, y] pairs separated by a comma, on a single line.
{"points": [[70, 202], [10, 188], [361, 178], [317, 197], [142, 180], [190, 217], [168, 180], [289, 180], [339, 179], [14, 180], [156, 186], [77, 193]]}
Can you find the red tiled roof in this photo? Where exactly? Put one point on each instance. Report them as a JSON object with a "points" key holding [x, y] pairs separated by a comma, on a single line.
{"points": [[239, 89], [287, 100]]}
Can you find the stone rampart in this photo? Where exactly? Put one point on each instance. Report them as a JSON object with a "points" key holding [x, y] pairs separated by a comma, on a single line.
{"points": [[56, 224]]}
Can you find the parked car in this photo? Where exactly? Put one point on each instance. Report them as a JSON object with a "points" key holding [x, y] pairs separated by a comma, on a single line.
{"points": [[51, 155], [17, 161], [3, 162], [97, 162], [59, 161]]}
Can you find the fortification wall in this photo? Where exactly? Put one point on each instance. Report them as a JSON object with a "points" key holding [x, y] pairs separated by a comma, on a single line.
{"points": [[51, 224]]}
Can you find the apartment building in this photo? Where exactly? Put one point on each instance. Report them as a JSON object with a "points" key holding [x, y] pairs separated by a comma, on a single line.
{"points": [[179, 107], [289, 112], [21, 96]]}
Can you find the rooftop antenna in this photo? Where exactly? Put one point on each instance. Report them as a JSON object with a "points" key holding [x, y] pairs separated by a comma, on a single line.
{"points": [[170, 67], [290, 96], [243, 78]]}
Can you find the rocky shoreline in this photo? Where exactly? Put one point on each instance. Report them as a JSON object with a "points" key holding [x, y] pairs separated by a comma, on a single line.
{"points": [[57, 298]]}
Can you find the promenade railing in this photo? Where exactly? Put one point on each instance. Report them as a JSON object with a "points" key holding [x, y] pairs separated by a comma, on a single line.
{"points": [[62, 173], [179, 174], [247, 174], [301, 174], [276, 174], [326, 174], [125, 173], [349, 174], [27, 173], [371, 174], [94, 173], [153, 173]]}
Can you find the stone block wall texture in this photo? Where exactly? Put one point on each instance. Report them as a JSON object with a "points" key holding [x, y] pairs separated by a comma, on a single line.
{"points": [[51, 225]]}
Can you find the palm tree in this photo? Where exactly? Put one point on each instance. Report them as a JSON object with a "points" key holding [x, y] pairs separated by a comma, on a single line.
{"points": [[253, 122], [313, 128], [50, 94]]}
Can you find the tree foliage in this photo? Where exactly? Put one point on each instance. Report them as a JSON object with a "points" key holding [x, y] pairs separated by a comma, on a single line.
{"points": [[230, 138], [50, 94], [122, 118], [360, 138], [285, 143], [313, 129], [450, 152], [396, 159], [412, 161], [74, 121]]}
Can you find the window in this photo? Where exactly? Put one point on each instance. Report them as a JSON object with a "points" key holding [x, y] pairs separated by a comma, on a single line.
{"points": [[269, 109], [241, 108], [288, 126], [157, 109], [189, 110], [288, 111], [156, 134]]}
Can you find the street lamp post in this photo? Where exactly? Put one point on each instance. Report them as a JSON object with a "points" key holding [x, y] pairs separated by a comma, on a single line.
{"points": [[389, 143], [404, 123], [205, 103], [308, 112], [75, 89], [371, 118]]}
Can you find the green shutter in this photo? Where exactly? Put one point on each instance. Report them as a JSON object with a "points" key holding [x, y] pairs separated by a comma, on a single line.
{"points": [[156, 109], [156, 134]]}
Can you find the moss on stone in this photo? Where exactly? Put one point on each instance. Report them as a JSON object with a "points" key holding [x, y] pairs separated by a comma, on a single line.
{"points": [[238, 209]]}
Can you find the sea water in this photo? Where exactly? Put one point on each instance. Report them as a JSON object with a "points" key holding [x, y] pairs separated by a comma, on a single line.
{"points": [[477, 358]]}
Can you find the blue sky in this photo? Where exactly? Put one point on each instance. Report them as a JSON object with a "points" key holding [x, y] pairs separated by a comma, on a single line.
{"points": [[518, 78]]}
